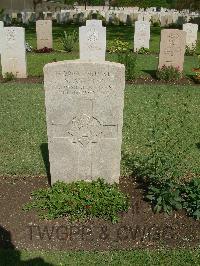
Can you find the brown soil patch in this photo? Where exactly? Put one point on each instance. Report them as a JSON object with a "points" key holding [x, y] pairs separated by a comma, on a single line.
{"points": [[151, 80], [138, 81], [139, 228], [29, 80]]}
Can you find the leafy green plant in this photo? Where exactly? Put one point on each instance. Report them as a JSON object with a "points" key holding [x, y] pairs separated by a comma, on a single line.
{"points": [[169, 73], [173, 26], [163, 166], [79, 200], [165, 196], [69, 40], [8, 76], [1, 13], [190, 51], [156, 24], [196, 71], [143, 51], [191, 196], [118, 46], [170, 195], [129, 59]]}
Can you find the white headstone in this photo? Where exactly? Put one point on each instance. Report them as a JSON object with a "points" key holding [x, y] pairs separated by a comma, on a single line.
{"points": [[84, 111], [13, 57], [147, 17], [172, 48], [44, 34], [191, 34], [1, 35], [142, 35], [92, 41]]}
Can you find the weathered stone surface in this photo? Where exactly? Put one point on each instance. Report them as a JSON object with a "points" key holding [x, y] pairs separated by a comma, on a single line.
{"points": [[172, 48], [1, 35], [191, 34], [92, 41], [166, 20], [155, 18], [142, 35], [44, 34], [13, 57], [94, 23], [84, 112]]}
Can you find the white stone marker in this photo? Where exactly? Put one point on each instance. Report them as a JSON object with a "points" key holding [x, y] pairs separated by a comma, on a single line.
{"points": [[44, 34], [1, 35], [172, 48], [13, 57], [191, 34], [92, 41], [142, 35], [84, 112]]}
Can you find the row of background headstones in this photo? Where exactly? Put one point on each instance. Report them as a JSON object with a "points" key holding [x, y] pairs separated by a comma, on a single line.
{"points": [[112, 17], [92, 39], [142, 35]]}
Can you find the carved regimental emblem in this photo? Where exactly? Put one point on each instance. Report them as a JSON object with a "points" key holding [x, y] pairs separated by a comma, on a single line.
{"points": [[92, 35], [85, 129], [11, 35]]}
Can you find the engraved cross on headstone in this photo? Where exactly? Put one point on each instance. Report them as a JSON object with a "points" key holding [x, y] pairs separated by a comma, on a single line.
{"points": [[85, 132]]}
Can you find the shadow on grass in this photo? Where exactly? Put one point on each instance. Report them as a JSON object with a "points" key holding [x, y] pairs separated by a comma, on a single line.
{"points": [[137, 172], [45, 156], [198, 145], [9, 256]]}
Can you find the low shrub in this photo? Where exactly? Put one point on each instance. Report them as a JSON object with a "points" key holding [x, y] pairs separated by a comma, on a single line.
{"points": [[190, 51], [69, 40], [124, 56], [79, 200], [191, 196], [8, 76], [1, 13], [173, 26], [169, 73], [165, 196], [118, 46], [170, 195], [129, 59], [143, 51], [156, 24]]}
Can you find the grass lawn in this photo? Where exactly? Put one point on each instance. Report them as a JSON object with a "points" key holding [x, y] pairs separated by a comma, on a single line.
{"points": [[23, 129], [137, 258], [146, 64]]}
